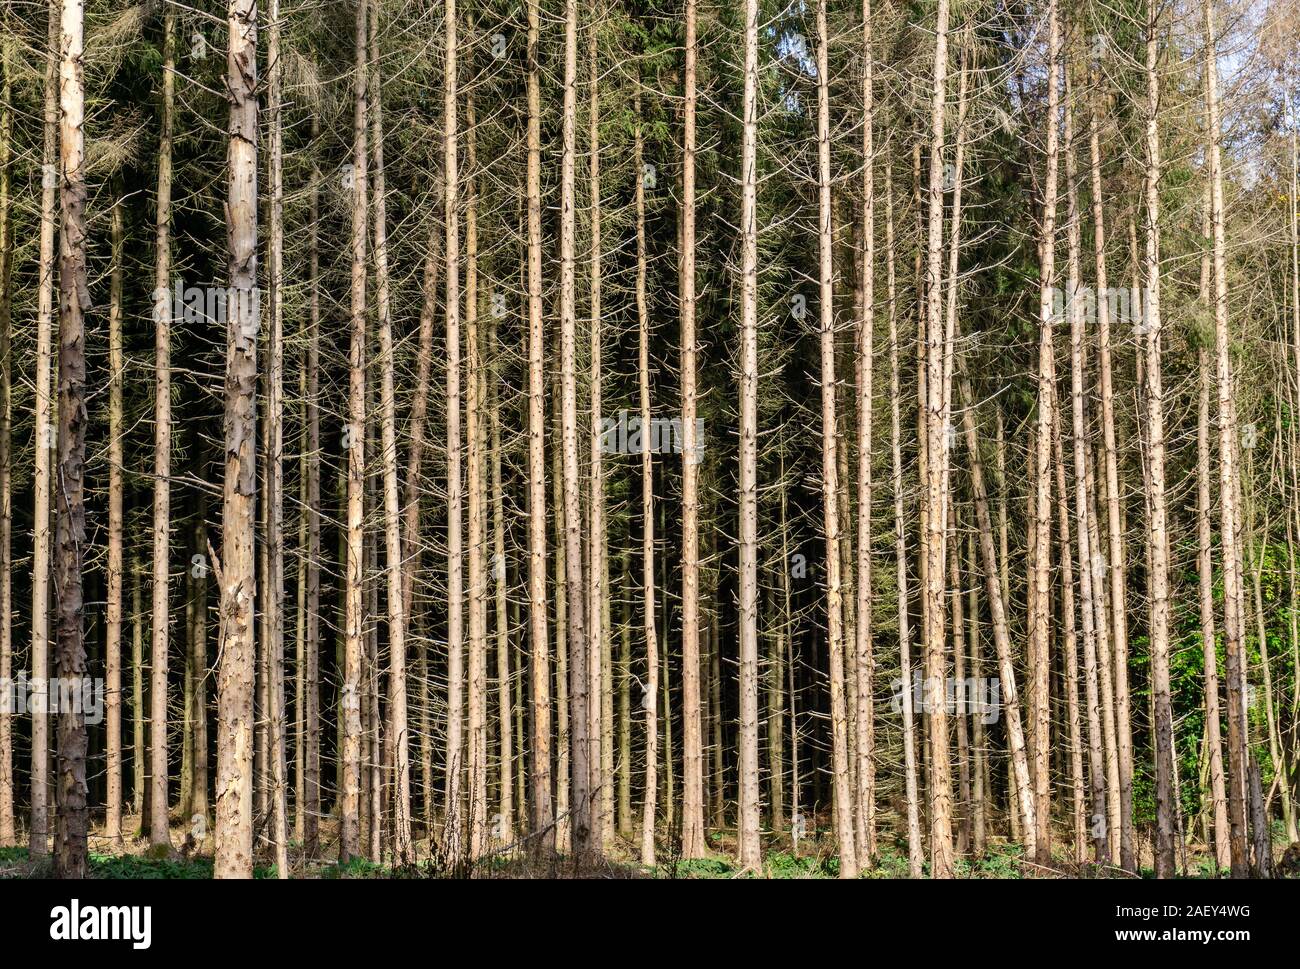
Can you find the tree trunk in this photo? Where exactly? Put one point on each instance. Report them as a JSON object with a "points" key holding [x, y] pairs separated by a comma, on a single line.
{"points": [[693, 844], [1158, 581], [476, 510], [914, 845], [543, 815], [596, 580], [865, 795], [841, 769], [275, 455], [44, 436], [580, 752], [311, 806], [116, 496], [1040, 565], [354, 442], [234, 830], [72, 820], [749, 849], [650, 692], [1230, 540], [1205, 570]]}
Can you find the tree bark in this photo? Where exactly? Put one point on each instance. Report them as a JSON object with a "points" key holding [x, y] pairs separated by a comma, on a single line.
{"points": [[543, 814], [914, 844], [841, 769], [350, 703], [693, 844], [234, 829], [38, 830], [72, 820], [748, 835], [650, 692], [116, 495]]}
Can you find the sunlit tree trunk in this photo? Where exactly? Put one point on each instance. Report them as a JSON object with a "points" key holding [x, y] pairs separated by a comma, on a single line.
{"points": [[539, 800], [455, 500], [650, 691], [841, 770], [476, 708], [234, 829], [1229, 537], [693, 845], [1158, 581], [597, 585], [749, 849], [350, 840], [397, 717], [1205, 572], [865, 796], [914, 845], [274, 606], [38, 831], [1040, 565], [72, 820]]}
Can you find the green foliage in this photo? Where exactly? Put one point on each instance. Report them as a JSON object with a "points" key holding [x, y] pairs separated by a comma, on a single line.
{"points": [[354, 868], [127, 867]]}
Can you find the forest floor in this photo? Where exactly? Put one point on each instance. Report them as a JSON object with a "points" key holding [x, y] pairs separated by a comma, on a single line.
{"points": [[135, 858]]}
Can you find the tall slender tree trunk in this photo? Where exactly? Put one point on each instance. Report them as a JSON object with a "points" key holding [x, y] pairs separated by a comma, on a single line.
{"points": [[1040, 566], [234, 830], [693, 844], [865, 796], [38, 830], [274, 443], [841, 769], [1069, 639], [138, 801], [580, 774], [163, 311], [455, 500], [980, 786], [72, 821], [748, 835], [564, 819], [116, 496], [476, 510], [914, 845], [650, 693], [398, 733], [542, 812], [1229, 537], [1081, 448], [1158, 581], [350, 840], [1205, 570], [500, 575], [597, 584], [1108, 658]]}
